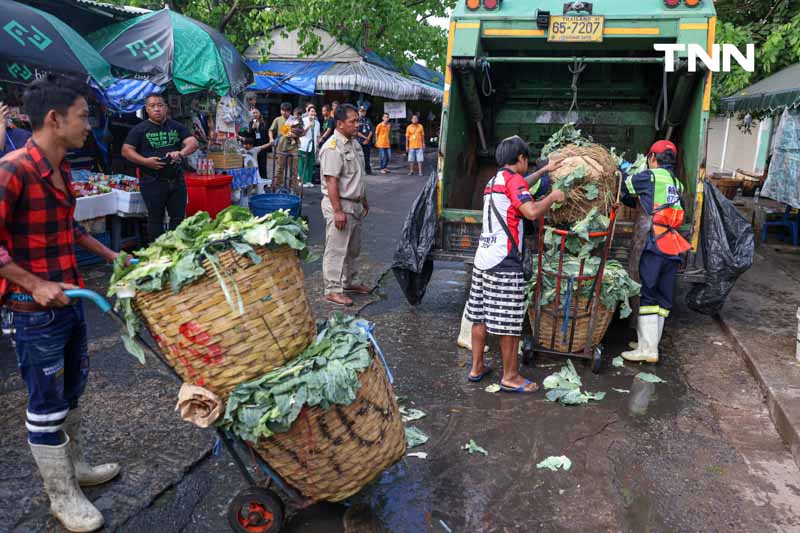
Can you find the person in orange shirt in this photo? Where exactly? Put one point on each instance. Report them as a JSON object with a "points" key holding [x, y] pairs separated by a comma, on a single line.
{"points": [[415, 144], [383, 144]]}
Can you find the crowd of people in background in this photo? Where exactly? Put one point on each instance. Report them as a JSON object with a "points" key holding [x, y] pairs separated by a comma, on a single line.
{"points": [[297, 135]]}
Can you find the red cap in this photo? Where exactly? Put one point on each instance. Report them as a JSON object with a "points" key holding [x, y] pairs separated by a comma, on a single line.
{"points": [[662, 146]]}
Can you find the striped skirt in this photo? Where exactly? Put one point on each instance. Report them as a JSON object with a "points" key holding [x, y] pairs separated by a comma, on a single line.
{"points": [[497, 299]]}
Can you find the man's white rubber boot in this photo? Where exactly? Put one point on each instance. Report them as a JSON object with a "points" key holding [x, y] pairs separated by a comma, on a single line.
{"points": [[634, 345], [86, 474], [647, 349], [67, 502], [465, 335]]}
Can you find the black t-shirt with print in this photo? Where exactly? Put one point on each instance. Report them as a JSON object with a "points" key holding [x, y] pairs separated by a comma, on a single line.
{"points": [[154, 140]]}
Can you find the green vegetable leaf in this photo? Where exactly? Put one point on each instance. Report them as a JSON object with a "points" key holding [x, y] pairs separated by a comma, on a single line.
{"points": [[555, 462], [618, 362], [650, 378], [415, 437], [472, 447]]}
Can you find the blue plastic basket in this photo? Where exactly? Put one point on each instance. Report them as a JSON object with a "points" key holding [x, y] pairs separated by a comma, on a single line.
{"points": [[261, 204]]}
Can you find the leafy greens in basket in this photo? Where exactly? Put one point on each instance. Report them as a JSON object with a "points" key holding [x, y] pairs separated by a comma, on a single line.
{"points": [[325, 373], [176, 258]]}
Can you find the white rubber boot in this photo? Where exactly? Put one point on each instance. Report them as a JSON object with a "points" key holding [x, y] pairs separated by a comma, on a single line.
{"points": [[465, 335], [647, 349], [67, 502], [634, 345], [86, 474]]}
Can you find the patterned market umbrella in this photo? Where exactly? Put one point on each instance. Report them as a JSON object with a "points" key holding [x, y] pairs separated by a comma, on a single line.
{"points": [[166, 46], [34, 43]]}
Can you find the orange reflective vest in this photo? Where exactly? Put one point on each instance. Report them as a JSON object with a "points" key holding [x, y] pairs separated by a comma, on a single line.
{"points": [[668, 213]]}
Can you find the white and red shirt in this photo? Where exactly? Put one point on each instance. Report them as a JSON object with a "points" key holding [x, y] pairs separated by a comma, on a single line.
{"points": [[508, 191]]}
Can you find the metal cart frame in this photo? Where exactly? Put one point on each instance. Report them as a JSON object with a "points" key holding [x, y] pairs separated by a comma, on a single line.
{"points": [[589, 352]]}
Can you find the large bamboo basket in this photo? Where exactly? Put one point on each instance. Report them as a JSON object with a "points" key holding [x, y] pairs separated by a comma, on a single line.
{"points": [[331, 454], [209, 344], [549, 324]]}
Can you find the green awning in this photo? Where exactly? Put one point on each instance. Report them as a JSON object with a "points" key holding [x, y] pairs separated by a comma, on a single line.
{"points": [[772, 94]]}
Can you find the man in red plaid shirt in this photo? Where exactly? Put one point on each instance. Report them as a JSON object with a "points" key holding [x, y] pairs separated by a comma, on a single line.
{"points": [[38, 235]]}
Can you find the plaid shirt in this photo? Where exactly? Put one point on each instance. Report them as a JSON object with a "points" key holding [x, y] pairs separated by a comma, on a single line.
{"points": [[37, 228]]}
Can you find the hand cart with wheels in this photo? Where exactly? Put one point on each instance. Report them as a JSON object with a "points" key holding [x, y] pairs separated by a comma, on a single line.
{"points": [[258, 508], [574, 326]]}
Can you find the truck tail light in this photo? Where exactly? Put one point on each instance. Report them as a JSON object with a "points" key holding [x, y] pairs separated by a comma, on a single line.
{"points": [[672, 3], [691, 3], [473, 4], [490, 4]]}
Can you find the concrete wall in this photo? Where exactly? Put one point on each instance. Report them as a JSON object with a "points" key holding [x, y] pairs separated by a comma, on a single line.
{"points": [[741, 150]]}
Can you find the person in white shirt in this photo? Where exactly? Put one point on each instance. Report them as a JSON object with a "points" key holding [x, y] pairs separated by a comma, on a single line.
{"points": [[308, 145]]}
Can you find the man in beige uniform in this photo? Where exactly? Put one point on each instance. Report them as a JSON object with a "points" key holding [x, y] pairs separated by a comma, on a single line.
{"points": [[344, 205]]}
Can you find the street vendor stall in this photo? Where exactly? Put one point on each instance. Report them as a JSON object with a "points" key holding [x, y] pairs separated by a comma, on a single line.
{"points": [[776, 96]]}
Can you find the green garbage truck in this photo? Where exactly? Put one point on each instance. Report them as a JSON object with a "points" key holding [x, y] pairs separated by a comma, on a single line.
{"points": [[522, 67]]}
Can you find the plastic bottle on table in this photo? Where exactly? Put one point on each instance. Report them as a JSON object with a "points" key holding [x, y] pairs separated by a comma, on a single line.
{"points": [[210, 167]]}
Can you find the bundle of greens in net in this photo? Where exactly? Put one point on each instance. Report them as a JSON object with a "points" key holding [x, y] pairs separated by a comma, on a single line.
{"points": [[176, 258], [325, 373], [617, 285]]}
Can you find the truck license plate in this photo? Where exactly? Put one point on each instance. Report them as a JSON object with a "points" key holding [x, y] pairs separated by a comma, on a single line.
{"points": [[587, 29]]}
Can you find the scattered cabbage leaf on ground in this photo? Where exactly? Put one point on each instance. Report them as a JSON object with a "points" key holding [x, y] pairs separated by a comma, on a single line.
{"points": [[564, 387], [415, 437], [554, 462]]}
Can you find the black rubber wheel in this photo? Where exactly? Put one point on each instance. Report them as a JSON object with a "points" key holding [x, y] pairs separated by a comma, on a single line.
{"points": [[256, 510], [597, 359], [528, 355]]}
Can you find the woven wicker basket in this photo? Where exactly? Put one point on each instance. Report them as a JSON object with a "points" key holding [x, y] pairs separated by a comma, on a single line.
{"points": [[212, 346], [331, 454], [581, 327]]}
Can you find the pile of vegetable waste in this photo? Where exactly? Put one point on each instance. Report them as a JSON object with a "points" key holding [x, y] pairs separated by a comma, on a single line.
{"points": [[587, 175]]}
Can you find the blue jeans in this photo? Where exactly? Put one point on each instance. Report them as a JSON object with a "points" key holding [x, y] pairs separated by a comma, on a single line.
{"points": [[53, 359], [384, 155]]}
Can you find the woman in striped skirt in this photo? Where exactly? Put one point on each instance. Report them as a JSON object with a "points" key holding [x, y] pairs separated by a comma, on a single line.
{"points": [[497, 297]]}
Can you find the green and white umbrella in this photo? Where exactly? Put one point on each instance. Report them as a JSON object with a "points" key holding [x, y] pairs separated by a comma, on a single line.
{"points": [[33, 43], [165, 46]]}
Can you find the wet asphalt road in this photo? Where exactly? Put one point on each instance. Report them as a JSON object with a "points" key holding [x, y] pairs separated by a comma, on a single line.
{"points": [[704, 457]]}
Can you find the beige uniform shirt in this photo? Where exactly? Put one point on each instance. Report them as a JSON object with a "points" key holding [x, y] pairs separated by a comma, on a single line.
{"points": [[343, 158]]}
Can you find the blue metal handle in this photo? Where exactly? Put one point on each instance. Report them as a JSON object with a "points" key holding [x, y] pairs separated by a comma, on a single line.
{"points": [[98, 300], [368, 328]]}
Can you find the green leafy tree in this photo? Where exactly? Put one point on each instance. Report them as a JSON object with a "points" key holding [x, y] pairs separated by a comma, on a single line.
{"points": [[397, 29], [772, 25]]}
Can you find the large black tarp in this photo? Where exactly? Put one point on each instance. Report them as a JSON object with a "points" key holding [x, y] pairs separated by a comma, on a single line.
{"points": [[727, 246], [411, 265]]}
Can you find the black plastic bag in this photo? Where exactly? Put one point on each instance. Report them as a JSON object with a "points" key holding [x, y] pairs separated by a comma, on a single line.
{"points": [[727, 245], [411, 265]]}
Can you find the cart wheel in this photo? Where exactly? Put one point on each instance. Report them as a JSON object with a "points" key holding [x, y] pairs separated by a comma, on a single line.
{"points": [[528, 355], [597, 359], [256, 510]]}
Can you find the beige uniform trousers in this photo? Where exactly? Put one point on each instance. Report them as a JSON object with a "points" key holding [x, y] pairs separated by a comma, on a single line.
{"points": [[342, 247], [286, 163]]}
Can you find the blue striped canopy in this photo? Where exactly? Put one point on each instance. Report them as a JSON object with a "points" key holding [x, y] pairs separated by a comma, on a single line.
{"points": [[126, 96]]}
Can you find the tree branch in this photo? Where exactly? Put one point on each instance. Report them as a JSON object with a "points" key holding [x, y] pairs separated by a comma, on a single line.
{"points": [[228, 16]]}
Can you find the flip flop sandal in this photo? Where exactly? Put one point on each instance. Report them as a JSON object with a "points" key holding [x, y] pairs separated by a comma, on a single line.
{"points": [[521, 389], [486, 371]]}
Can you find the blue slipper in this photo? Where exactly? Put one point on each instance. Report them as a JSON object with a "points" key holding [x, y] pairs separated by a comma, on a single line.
{"points": [[486, 371], [520, 389]]}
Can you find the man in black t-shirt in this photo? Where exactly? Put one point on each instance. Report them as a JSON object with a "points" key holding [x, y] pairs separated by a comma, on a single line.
{"points": [[156, 146]]}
